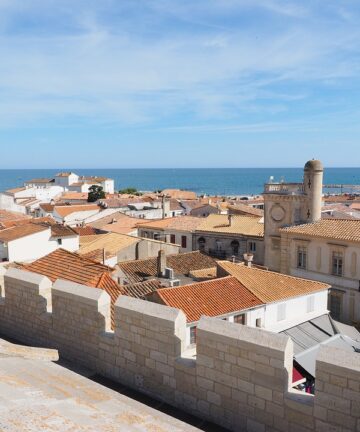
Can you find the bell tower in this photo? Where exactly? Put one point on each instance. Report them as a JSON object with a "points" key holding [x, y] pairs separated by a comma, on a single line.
{"points": [[289, 204]]}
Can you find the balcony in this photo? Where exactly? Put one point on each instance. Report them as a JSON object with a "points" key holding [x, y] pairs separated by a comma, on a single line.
{"points": [[284, 188]]}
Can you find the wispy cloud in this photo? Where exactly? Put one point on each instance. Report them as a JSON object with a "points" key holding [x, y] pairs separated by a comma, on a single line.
{"points": [[170, 62]]}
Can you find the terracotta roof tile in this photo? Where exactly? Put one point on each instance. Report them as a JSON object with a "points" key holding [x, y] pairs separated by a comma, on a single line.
{"points": [[140, 289], [87, 231], [48, 208], [204, 274], [179, 194], [180, 223], [112, 243], [182, 264], [270, 286], [40, 180], [240, 208], [240, 225], [117, 222], [20, 231], [62, 264], [337, 229], [211, 298], [58, 230], [82, 196], [66, 210]]}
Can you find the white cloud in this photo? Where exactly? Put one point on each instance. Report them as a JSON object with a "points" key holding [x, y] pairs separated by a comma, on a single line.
{"points": [[135, 67]]}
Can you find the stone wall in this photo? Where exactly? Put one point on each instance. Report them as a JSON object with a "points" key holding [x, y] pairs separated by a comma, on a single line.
{"points": [[240, 378]]}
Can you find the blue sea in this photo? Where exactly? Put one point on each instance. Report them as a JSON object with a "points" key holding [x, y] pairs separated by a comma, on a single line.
{"points": [[217, 181]]}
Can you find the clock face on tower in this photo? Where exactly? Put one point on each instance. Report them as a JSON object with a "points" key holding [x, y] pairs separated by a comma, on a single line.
{"points": [[277, 212]]}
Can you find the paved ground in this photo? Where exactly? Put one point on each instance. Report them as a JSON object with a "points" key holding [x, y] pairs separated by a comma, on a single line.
{"points": [[37, 395]]}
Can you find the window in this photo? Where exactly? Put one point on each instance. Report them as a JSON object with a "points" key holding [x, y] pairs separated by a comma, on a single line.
{"points": [[218, 245], [192, 335], [239, 319], [252, 247], [310, 304], [335, 305], [258, 322], [183, 241], [281, 312], [201, 243], [59, 241], [235, 247], [337, 264], [301, 257], [172, 238], [156, 236], [275, 244]]}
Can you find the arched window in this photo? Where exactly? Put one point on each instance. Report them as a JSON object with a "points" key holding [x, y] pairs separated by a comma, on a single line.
{"points": [[201, 243], [235, 247]]}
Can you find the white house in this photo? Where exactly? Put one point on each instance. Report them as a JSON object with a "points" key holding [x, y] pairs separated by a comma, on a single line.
{"points": [[35, 240], [74, 215], [65, 179]]}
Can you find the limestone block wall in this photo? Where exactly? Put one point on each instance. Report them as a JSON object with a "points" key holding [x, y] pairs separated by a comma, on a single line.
{"points": [[240, 378]]}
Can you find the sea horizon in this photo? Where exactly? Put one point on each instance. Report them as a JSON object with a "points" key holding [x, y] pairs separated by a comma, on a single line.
{"points": [[209, 181]]}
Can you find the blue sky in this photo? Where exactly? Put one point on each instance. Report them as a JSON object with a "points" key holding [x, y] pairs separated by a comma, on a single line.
{"points": [[160, 83]]}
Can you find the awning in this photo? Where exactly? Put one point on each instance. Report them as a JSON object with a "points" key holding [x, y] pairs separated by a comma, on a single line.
{"points": [[297, 377], [307, 359]]}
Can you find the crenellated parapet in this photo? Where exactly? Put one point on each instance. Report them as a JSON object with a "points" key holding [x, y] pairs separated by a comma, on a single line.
{"points": [[240, 377]]}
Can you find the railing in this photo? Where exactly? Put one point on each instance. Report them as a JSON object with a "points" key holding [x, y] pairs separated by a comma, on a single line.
{"points": [[221, 254], [284, 188]]}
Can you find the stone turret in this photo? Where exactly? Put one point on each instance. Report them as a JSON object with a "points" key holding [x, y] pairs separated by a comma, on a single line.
{"points": [[313, 185]]}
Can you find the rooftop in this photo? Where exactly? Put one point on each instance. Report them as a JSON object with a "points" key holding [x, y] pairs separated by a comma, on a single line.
{"points": [[241, 208], [140, 289], [182, 264], [269, 286], [335, 229], [46, 207], [17, 232], [15, 190], [241, 225], [112, 243], [40, 180], [117, 222], [66, 210], [83, 196], [180, 223], [179, 194], [211, 298], [62, 264]]}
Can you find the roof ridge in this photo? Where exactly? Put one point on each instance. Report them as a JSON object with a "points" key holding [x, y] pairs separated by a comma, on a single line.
{"points": [[210, 281], [276, 273]]}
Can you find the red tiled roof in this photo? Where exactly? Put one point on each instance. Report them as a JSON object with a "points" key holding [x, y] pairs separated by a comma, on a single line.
{"points": [[48, 208], [87, 230], [20, 231], [62, 264], [66, 210], [211, 298], [140, 289], [182, 264]]}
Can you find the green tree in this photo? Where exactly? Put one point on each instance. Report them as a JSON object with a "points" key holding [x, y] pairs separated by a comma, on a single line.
{"points": [[96, 193], [130, 191]]}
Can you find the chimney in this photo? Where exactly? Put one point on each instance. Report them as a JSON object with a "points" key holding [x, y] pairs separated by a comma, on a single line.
{"points": [[248, 258], [230, 219], [161, 263]]}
